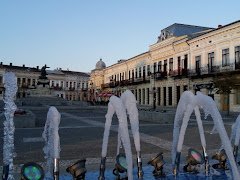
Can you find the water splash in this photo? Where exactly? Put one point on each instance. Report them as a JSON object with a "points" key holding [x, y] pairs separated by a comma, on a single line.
{"points": [[10, 85], [51, 137], [115, 105], [186, 106], [129, 102], [235, 135], [210, 107], [184, 110]]}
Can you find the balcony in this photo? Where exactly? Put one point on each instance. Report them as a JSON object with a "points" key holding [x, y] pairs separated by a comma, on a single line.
{"points": [[71, 89], [207, 71], [160, 75]]}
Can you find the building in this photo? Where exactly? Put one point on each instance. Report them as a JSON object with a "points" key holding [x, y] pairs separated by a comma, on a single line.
{"points": [[185, 57], [66, 84]]}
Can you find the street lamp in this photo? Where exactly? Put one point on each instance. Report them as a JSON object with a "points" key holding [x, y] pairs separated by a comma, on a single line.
{"points": [[153, 90]]}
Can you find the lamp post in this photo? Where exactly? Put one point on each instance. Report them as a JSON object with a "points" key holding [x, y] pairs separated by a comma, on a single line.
{"points": [[153, 90], [91, 91]]}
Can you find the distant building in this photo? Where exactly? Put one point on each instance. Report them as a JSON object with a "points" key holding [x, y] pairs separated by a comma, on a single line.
{"points": [[185, 57], [66, 84]]}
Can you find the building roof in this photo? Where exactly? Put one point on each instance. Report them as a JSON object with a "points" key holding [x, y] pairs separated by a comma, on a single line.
{"points": [[75, 73], [177, 30], [33, 69], [100, 64]]}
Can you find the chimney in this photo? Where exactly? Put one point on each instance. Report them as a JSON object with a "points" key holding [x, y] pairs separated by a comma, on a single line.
{"points": [[10, 64], [37, 67], [219, 26], [23, 65]]}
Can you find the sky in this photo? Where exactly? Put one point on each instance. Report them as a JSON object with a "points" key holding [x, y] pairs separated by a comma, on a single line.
{"points": [[75, 34]]}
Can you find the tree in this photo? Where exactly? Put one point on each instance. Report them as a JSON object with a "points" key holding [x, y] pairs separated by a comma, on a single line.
{"points": [[224, 84]]}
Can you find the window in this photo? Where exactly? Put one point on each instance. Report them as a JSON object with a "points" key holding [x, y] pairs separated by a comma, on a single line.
{"points": [[144, 73], [159, 66], [33, 82], [29, 82], [171, 64], [225, 57], [148, 70], [147, 95], [237, 57], [18, 81], [136, 73], [140, 72], [66, 84], [179, 62], [210, 61], [140, 94], [198, 64], [129, 75], [185, 61], [143, 92], [165, 66], [154, 67], [52, 83], [170, 96]]}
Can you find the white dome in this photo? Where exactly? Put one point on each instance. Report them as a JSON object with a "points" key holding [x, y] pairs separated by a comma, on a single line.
{"points": [[100, 64]]}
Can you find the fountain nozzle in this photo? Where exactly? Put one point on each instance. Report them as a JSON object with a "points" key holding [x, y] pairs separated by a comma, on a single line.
{"points": [[56, 169], [139, 164], [5, 172], [177, 163], [206, 161], [102, 169]]}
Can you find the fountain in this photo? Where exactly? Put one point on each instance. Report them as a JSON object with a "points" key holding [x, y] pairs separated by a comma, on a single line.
{"points": [[129, 101], [52, 142], [115, 105], [187, 104], [235, 137], [10, 84]]}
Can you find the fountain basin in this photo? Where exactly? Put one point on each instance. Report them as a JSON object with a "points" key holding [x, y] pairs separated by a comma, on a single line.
{"points": [[148, 175]]}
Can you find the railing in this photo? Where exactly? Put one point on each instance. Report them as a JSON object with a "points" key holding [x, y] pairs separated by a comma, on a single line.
{"points": [[71, 89], [160, 75], [211, 70]]}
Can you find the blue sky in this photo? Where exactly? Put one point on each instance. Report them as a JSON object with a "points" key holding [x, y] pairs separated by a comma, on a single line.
{"points": [[75, 34]]}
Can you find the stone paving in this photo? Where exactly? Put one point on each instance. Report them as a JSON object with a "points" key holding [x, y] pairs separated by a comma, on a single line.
{"points": [[81, 131]]}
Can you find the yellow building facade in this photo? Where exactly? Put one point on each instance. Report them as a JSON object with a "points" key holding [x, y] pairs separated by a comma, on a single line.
{"points": [[185, 57]]}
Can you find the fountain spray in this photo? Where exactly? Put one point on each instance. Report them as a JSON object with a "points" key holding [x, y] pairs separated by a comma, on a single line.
{"points": [[235, 137], [102, 169], [129, 101], [206, 161], [52, 142], [115, 105], [177, 163], [10, 84]]}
